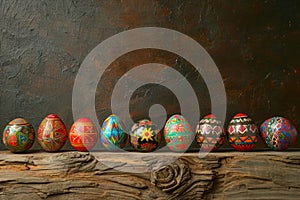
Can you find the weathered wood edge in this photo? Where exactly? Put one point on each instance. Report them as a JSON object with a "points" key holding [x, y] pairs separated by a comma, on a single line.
{"points": [[220, 175]]}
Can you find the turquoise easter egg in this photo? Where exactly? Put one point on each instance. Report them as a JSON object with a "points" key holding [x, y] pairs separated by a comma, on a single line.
{"points": [[178, 133], [113, 134]]}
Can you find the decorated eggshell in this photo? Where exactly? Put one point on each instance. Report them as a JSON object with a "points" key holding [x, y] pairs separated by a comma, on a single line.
{"points": [[242, 132], [18, 135], [178, 133], [113, 134], [52, 133], [278, 132], [83, 134], [210, 133], [145, 136]]}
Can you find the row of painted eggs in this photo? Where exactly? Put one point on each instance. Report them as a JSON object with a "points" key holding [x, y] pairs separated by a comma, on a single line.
{"points": [[277, 132]]}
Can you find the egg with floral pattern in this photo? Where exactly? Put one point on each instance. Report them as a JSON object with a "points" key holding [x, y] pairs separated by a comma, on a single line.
{"points": [[145, 136], [83, 134], [278, 133], [18, 135], [113, 134], [178, 133], [210, 133], [242, 133]]}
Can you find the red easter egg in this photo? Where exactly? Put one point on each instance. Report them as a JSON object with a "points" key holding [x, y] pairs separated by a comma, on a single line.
{"points": [[83, 134], [52, 133]]}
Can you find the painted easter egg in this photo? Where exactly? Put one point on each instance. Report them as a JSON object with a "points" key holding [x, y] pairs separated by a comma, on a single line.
{"points": [[278, 132], [145, 136], [52, 133], [113, 134], [178, 133], [242, 132], [83, 134], [18, 135], [210, 133]]}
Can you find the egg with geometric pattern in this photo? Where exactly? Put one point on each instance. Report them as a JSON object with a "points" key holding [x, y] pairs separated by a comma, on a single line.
{"points": [[210, 133], [242, 133], [18, 135], [278, 133], [113, 134], [83, 134]]}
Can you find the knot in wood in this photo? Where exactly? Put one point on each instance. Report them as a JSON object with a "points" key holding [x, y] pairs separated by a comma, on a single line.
{"points": [[172, 177]]}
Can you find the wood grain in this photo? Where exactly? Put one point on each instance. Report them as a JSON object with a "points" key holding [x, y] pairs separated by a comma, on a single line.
{"points": [[223, 175]]}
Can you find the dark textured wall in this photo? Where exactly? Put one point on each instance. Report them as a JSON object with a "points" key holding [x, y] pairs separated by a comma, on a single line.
{"points": [[255, 45]]}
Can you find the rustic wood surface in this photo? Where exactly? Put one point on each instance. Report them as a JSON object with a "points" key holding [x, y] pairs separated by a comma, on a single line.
{"points": [[223, 175]]}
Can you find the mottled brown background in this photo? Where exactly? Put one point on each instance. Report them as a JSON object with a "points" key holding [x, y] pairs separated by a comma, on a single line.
{"points": [[255, 45]]}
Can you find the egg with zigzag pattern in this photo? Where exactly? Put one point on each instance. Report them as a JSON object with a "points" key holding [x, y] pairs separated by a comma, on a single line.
{"points": [[113, 135], [242, 133]]}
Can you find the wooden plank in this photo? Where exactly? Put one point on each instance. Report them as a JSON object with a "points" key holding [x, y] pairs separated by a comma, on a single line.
{"points": [[222, 175]]}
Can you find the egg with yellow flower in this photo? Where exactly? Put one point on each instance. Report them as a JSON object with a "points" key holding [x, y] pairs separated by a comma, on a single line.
{"points": [[145, 136]]}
